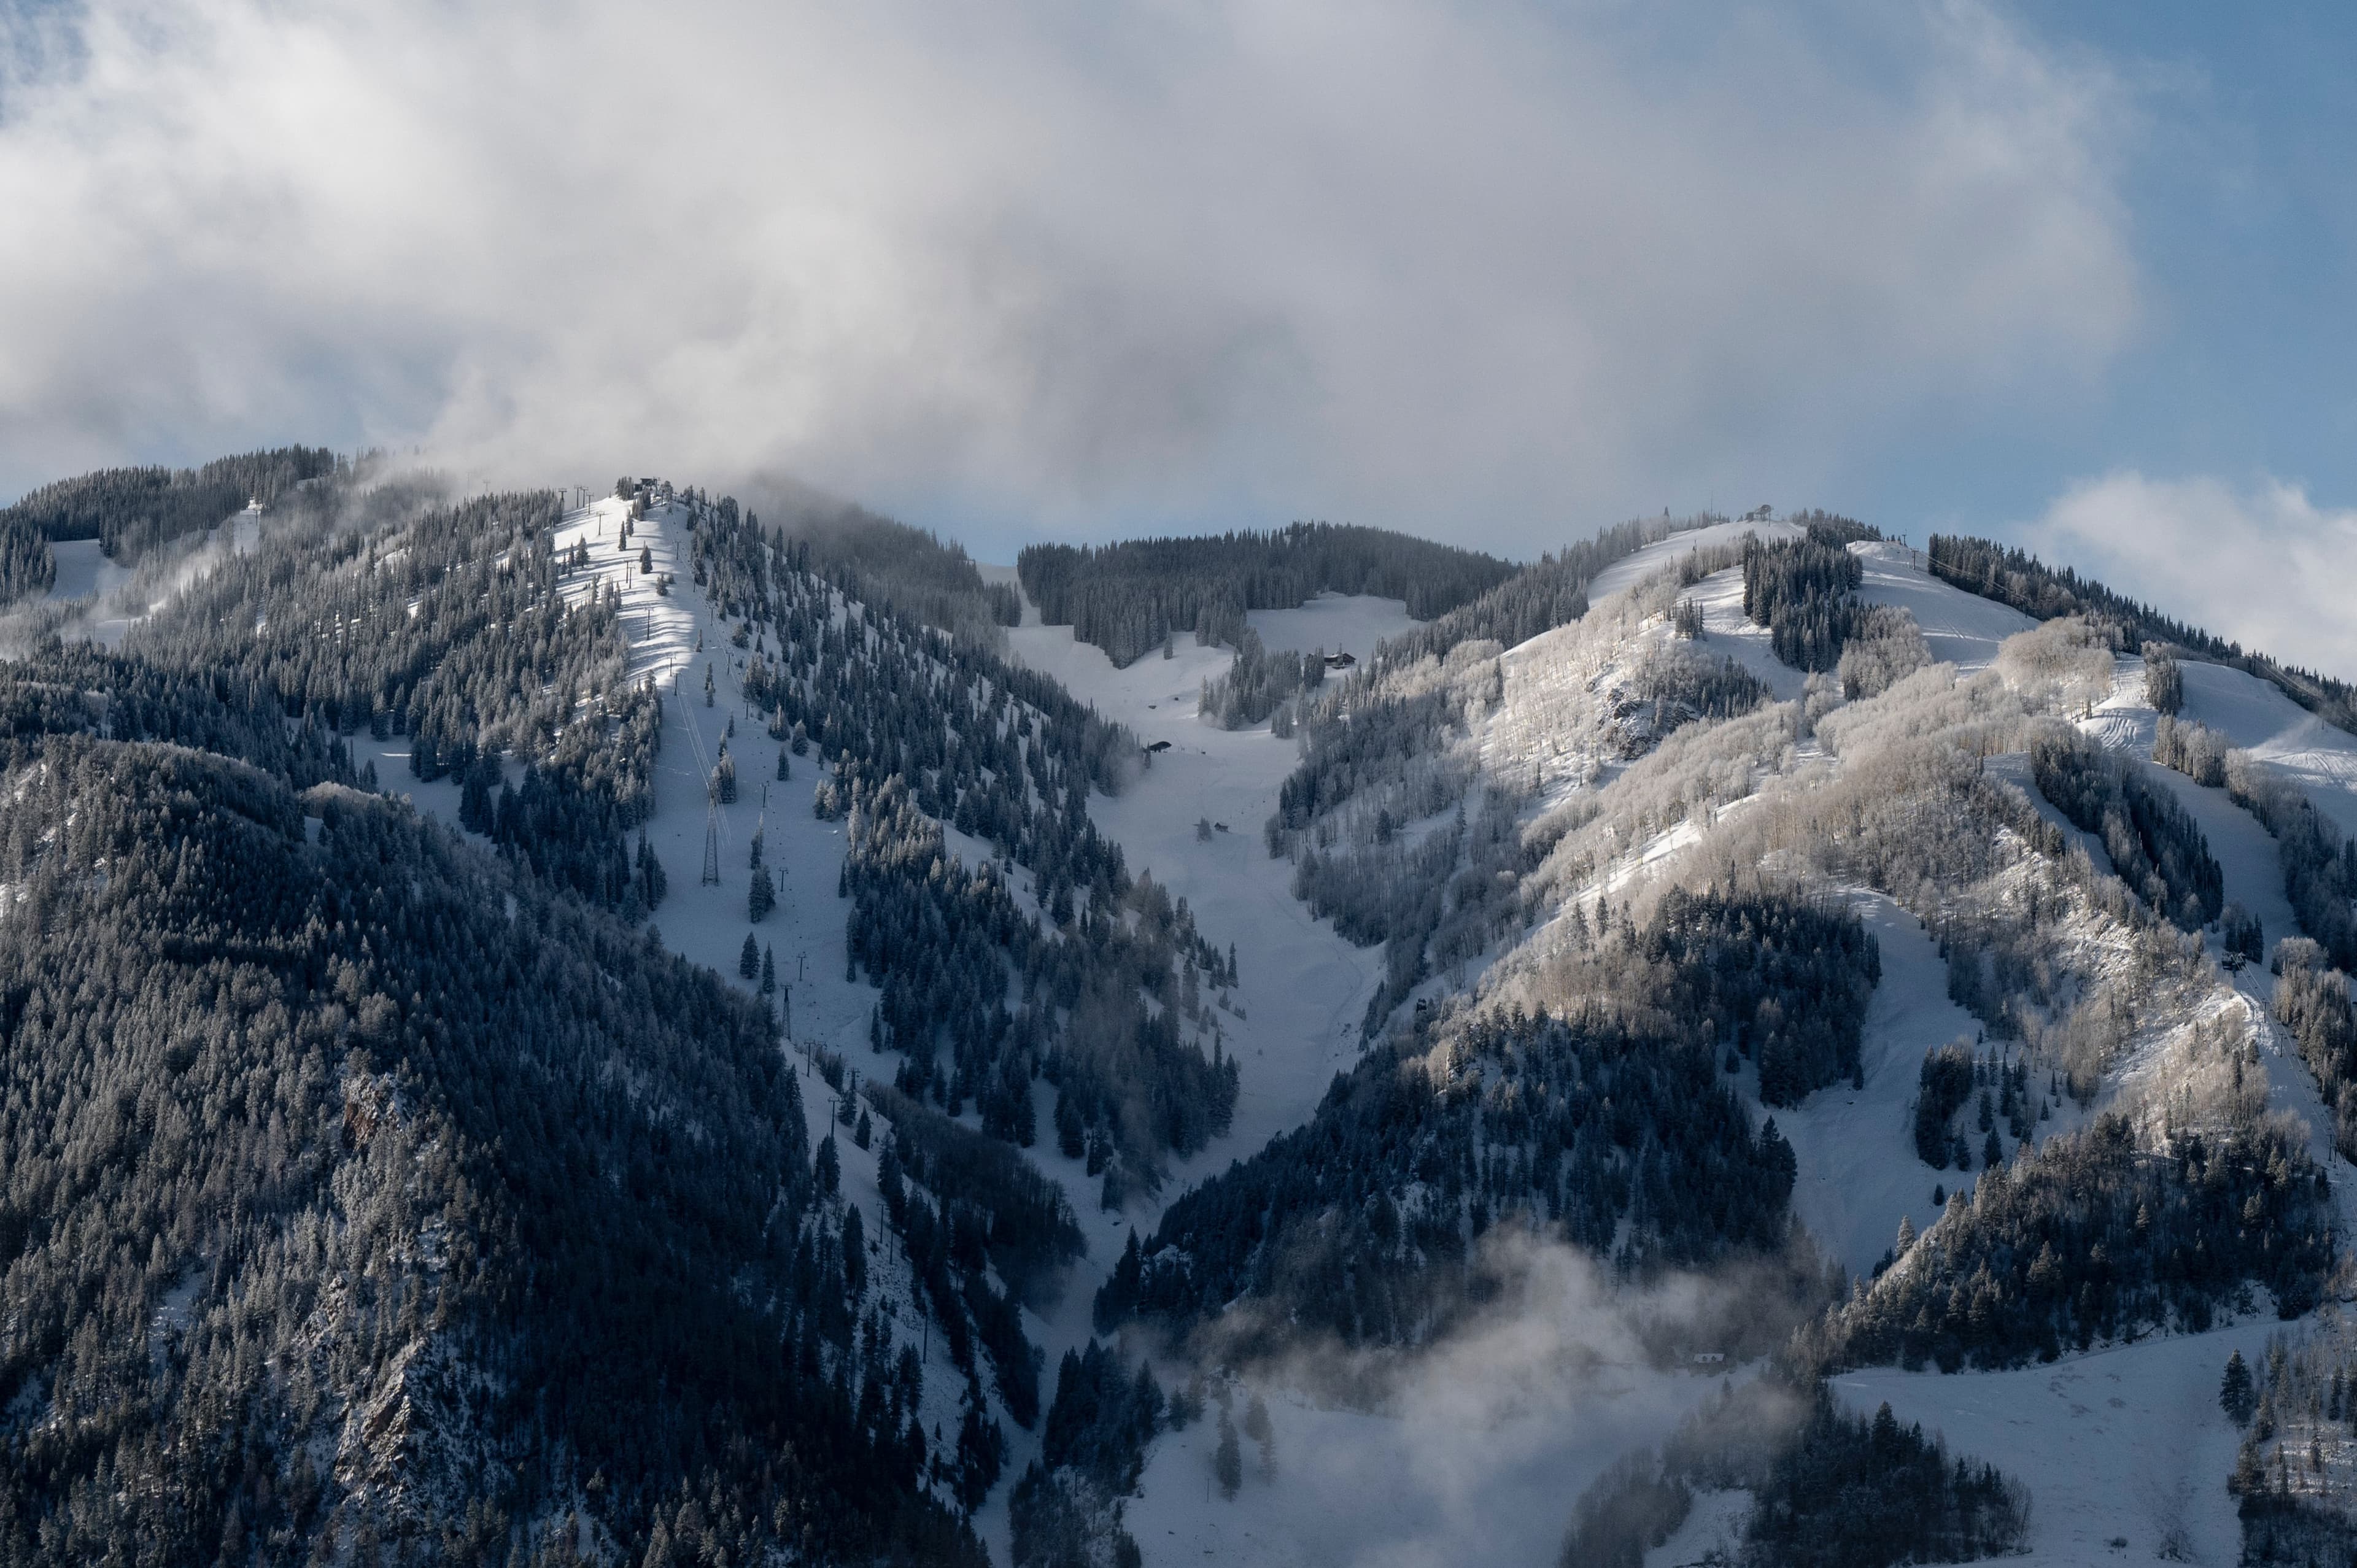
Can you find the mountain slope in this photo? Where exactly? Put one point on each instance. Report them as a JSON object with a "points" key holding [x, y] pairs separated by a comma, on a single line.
{"points": [[361, 1189]]}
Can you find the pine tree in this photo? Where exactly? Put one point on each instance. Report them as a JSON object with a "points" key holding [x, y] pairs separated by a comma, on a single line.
{"points": [[761, 895], [769, 970], [1228, 1463], [854, 1250], [827, 1166], [2236, 1396], [748, 961], [1257, 1428]]}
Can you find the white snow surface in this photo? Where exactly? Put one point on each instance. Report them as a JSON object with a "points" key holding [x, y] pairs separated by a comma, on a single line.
{"points": [[1858, 1169], [2259, 718], [1338, 623], [1637, 565], [1964, 629], [83, 570], [2124, 1444]]}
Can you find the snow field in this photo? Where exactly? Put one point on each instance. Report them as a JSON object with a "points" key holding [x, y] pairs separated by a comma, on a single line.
{"points": [[1302, 988], [1637, 565], [2127, 1444], [1338, 623], [2124, 1444], [1963, 629], [1859, 1173], [83, 570]]}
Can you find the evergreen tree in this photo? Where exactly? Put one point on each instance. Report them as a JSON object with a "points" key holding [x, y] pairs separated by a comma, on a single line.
{"points": [[1228, 1462], [1263, 1434], [2236, 1396], [749, 960]]}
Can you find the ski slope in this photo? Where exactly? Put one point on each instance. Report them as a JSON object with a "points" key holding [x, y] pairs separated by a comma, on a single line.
{"points": [[1480, 1458], [1332, 623], [1964, 629], [1636, 566], [1303, 989], [2259, 718], [2124, 1450], [83, 570], [1859, 1173]]}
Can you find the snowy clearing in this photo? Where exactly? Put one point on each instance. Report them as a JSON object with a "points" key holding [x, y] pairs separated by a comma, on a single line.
{"points": [[1858, 1169], [2125, 1445], [1634, 568], [83, 570], [1963, 629], [1338, 623]]}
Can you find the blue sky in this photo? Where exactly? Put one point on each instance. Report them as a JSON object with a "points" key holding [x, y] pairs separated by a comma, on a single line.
{"points": [[2240, 197], [2073, 274]]}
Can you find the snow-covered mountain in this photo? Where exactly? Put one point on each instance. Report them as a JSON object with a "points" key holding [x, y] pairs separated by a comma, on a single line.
{"points": [[1333, 1087]]}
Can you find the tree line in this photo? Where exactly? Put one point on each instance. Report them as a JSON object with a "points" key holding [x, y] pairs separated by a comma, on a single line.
{"points": [[130, 511], [1830, 1489], [1131, 598], [2011, 575], [2093, 1238]]}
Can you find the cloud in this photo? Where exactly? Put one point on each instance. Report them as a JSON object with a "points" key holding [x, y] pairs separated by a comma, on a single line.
{"points": [[1473, 1449], [2260, 564], [1481, 271]]}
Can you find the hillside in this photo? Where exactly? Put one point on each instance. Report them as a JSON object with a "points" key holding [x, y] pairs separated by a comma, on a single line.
{"points": [[363, 1190], [1553, 1079]]}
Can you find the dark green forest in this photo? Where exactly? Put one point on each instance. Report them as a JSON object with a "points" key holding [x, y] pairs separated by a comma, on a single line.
{"points": [[130, 511], [1129, 598], [1617, 1129], [360, 1194]]}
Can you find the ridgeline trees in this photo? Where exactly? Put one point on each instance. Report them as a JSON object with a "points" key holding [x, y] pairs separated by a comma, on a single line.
{"points": [[131, 511], [1127, 598], [2012, 576]]}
